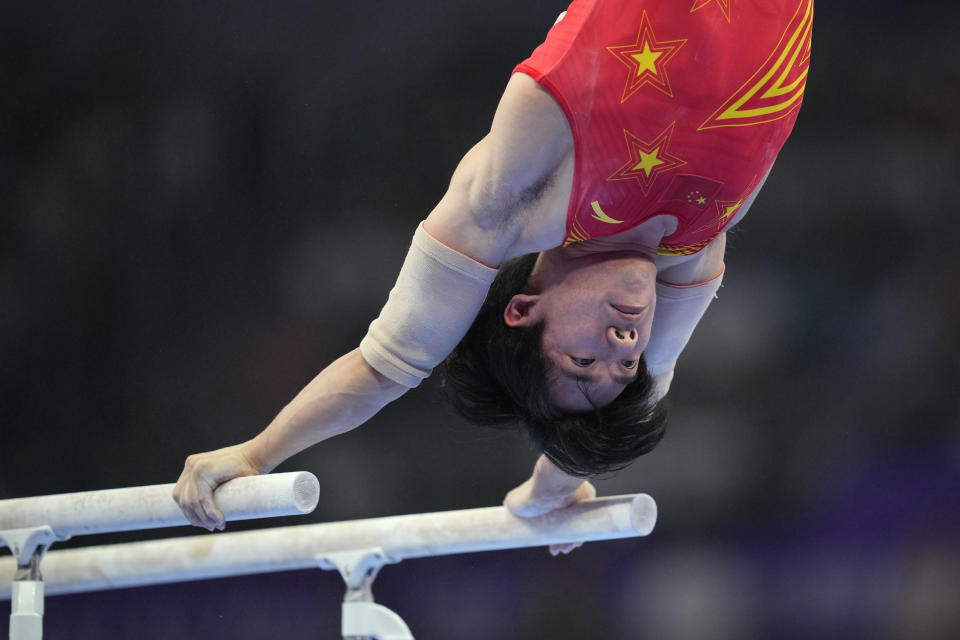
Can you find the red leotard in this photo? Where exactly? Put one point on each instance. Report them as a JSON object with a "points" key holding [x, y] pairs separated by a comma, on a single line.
{"points": [[676, 107]]}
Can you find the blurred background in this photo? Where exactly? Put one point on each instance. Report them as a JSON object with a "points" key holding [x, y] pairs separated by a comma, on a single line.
{"points": [[205, 203]]}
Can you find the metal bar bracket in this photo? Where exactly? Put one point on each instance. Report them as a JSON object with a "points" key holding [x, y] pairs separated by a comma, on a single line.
{"points": [[26, 603], [24, 543], [362, 617]]}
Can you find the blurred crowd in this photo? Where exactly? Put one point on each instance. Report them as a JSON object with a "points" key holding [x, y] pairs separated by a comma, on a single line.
{"points": [[205, 203]]}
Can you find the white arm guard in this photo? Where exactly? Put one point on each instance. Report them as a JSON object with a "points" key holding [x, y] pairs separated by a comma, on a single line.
{"points": [[679, 309], [432, 305]]}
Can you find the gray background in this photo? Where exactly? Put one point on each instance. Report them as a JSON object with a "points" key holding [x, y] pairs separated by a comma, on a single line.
{"points": [[205, 203]]}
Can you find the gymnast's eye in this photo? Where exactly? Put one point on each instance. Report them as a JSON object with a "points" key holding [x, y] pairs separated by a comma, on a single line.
{"points": [[582, 362], [629, 364]]}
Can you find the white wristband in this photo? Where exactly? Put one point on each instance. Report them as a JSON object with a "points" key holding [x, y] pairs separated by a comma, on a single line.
{"points": [[432, 305]]}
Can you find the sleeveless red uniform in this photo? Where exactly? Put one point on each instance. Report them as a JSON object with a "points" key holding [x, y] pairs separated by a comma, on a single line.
{"points": [[676, 106]]}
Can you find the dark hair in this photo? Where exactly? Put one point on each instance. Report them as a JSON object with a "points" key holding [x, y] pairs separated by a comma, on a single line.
{"points": [[498, 376]]}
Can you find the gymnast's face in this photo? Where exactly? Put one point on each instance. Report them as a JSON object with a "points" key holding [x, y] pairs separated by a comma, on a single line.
{"points": [[597, 309]]}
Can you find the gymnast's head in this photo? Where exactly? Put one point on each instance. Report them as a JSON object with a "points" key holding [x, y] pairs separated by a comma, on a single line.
{"points": [[557, 348]]}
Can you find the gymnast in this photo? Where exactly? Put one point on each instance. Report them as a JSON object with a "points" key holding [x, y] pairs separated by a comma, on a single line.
{"points": [[577, 247]]}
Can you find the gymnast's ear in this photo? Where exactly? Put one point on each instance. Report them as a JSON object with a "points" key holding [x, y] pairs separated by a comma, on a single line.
{"points": [[518, 312]]}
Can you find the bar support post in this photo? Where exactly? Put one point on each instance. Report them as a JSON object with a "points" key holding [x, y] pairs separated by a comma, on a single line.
{"points": [[362, 618], [26, 602]]}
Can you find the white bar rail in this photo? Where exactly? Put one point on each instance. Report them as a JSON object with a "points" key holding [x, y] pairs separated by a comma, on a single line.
{"points": [[110, 510], [299, 547]]}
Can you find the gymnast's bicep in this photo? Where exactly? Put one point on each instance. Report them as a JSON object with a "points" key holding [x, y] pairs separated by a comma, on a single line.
{"points": [[494, 200]]}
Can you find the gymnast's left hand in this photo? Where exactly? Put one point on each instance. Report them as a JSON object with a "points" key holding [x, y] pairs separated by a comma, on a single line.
{"points": [[529, 501], [202, 474]]}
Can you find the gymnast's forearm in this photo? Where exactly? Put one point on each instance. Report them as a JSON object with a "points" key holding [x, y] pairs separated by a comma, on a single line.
{"points": [[343, 396]]}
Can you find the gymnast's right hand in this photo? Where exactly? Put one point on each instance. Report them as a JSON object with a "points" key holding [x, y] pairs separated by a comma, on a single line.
{"points": [[204, 472]]}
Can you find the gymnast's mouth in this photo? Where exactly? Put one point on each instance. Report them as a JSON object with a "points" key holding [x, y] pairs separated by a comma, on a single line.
{"points": [[627, 309]]}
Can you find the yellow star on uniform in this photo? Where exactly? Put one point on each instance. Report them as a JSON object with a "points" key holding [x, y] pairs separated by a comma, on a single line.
{"points": [[648, 160], [723, 4], [701, 200], [646, 60], [727, 209]]}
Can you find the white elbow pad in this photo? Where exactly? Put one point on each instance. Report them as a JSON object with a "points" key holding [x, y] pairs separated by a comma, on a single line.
{"points": [[679, 309], [432, 305]]}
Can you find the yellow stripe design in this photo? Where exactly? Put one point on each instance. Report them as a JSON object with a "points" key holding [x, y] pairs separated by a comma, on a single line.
{"points": [[682, 250], [782, 78], [577, 234]]}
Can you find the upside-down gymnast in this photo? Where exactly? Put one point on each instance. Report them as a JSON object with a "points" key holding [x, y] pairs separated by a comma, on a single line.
{"points": [[577, 247]]}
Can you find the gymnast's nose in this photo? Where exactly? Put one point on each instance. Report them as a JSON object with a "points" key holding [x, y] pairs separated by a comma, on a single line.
{"points": [[622, 337]]}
